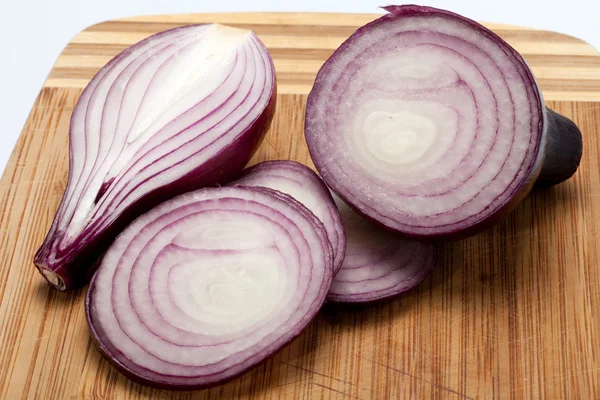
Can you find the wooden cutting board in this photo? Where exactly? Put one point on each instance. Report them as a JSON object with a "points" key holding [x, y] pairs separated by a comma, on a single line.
{"points": [[511, 313]]}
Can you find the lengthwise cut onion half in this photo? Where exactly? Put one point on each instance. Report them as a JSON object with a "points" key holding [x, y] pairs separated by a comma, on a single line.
{"points": [[183, 109]]}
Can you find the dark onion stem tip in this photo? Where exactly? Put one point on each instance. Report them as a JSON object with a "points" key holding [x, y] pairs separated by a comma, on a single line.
{"points": [[564, 148]]}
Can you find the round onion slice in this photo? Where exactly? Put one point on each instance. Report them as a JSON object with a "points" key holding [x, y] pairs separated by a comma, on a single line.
{"points": [[207, 285], [304, 185], [432, 125], [183, 109], [378, 264]]}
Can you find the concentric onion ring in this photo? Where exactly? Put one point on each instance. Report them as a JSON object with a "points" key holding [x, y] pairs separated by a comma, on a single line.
{"points": [[378, 264], [209, 284], [426, 122], [304, 185]]}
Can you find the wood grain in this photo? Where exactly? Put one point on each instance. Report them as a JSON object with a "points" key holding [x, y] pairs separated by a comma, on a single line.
{"points": [[511, 313]]}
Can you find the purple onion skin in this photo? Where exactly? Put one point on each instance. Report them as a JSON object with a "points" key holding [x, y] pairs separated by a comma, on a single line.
{"points": [[76, 265], [559, 149]]}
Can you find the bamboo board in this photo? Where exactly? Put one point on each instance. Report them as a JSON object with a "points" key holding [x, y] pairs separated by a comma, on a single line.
{"points": [[511, 313]]}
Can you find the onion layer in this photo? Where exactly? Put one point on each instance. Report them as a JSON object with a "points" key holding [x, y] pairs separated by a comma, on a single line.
{"points": [[430, 124], [304, 185], [182, 109], [207, 285], [378, 264]]}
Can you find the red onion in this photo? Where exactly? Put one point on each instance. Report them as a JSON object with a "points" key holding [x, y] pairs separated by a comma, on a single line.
{"points": [[431, 125], [207, 285], [378, 264], [182, 109], [304, 185]]}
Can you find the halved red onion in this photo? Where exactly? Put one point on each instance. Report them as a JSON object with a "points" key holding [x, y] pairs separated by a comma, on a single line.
{"points": [[182, 109], [207, 285], [304, 185], [378, 264], [432, 125]]}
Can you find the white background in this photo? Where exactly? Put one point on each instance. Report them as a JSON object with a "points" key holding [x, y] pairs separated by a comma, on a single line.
{"points": [[33, 32]]}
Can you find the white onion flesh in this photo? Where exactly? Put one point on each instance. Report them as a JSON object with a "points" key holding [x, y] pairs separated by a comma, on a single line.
{"points": [[180, 110], [378, 264], [207, 285], [426, 122], [304, 185]]}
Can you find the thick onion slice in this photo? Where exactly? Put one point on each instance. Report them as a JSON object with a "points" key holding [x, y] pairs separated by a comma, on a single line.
{"points": [[378, 264], [432, 125], [304, 185], [207, 285], [182, 109]]}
